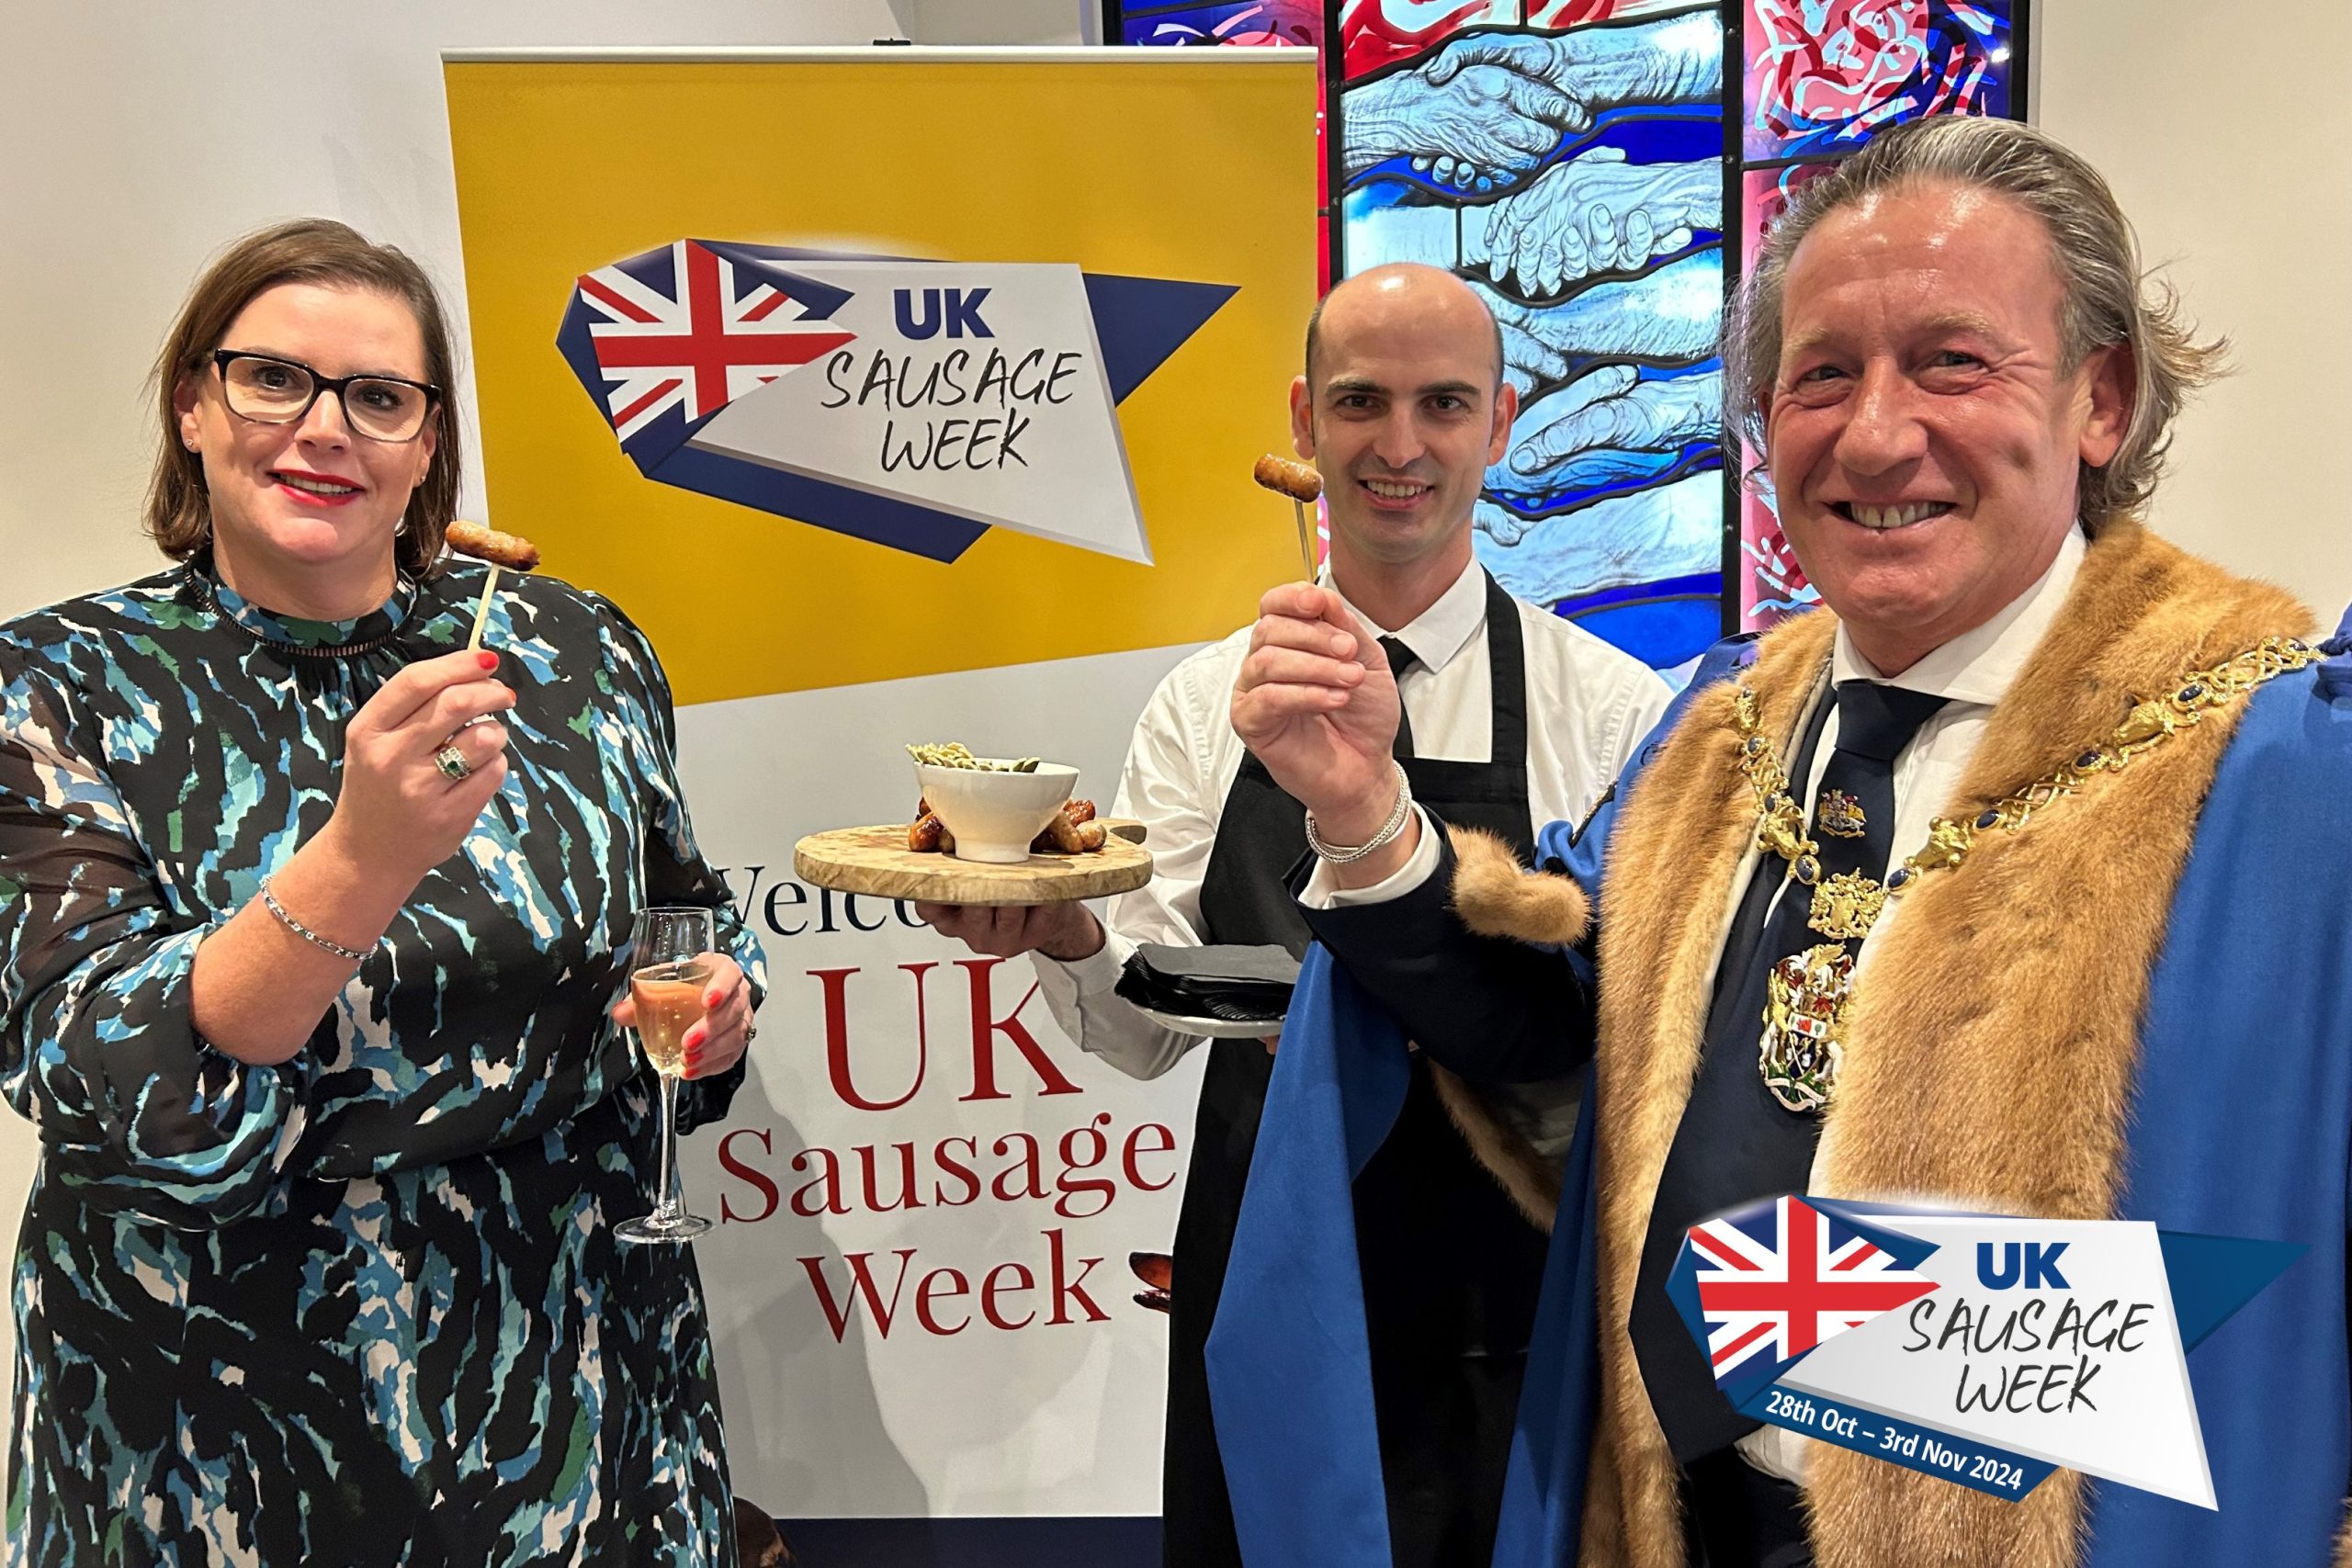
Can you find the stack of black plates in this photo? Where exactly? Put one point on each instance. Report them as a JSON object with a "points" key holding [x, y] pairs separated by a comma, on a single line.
{"points": [[1244, 989]]}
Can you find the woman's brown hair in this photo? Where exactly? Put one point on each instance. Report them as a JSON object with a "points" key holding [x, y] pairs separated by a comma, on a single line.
{"points": [[315, 250]]}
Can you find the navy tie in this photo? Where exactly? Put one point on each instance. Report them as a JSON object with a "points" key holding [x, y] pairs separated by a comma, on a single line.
{"points": [[1736, 1143], [1400, 659]]}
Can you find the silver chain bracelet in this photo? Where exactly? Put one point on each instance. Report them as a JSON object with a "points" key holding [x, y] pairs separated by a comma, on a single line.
{"points": [[348, 955], [1339, 854]]}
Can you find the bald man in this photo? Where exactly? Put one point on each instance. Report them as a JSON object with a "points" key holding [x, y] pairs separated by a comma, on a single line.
{"points": [[1512, 717]]}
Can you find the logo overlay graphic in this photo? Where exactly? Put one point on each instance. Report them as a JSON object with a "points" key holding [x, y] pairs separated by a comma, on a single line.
{"points": [[915, 404], [1982, 1349]]}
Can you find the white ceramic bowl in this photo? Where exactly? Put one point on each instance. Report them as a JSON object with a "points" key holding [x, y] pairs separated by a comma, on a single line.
{"points": [[994, 814]]}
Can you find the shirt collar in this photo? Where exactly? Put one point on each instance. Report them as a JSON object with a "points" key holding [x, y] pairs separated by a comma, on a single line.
{"points": [[1978, 665], [1439, 634]]}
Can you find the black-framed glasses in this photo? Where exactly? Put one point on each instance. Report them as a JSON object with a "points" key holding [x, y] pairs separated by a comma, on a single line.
{"points": [[269, 390]]}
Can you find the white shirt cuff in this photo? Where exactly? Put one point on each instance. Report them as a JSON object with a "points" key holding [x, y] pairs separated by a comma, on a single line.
{"points": [[1098, 973], [1323, 890]]}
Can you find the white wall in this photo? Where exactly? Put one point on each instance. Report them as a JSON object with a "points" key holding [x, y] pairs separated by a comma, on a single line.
{"points": [[134, 152], [2223, 131]]}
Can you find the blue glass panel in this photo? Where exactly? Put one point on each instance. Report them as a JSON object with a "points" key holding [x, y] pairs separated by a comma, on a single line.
{"points": [[1593, 227], [1662, 623]]}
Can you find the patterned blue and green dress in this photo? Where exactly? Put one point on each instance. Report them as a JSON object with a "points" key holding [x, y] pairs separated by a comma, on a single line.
{"points": [[364, 1307]]}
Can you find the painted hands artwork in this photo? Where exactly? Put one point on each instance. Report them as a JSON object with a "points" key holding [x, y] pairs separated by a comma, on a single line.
{"points": [[1596, 216], [1675, 59], [1667, 531], [1483, 127], [1597, 213], [1574, 176], [1614, 407], [1670, 316]]}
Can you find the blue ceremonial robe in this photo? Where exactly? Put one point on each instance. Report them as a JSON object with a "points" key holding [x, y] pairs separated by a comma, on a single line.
{"points": [[2241, 1125]]}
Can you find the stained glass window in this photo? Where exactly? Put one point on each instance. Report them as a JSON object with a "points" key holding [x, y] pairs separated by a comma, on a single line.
{"points": [[1566, 159], [1571, 160]]}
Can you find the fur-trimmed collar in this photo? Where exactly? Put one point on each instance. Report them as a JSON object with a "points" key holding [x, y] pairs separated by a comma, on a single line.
{"points": [[1992, 1039]]}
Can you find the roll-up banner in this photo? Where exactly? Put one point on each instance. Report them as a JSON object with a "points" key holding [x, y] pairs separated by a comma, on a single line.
{"points": [[904, 395]]}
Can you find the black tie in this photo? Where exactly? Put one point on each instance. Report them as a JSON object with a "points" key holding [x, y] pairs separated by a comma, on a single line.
{"points": [[1737, 1144], [1400, 659]]}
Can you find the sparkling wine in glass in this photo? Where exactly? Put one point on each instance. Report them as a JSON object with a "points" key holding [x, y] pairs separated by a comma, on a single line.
{"points": [[671, 953]]}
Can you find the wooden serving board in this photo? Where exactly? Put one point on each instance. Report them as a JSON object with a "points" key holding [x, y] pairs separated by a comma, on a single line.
{"points": [[877, 860]]}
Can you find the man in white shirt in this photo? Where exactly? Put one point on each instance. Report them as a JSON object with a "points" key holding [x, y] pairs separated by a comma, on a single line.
{"points": [[1511, 717], [1963, 392]]}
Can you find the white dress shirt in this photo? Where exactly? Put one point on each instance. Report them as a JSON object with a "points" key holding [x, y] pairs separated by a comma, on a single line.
{"points": [[1589, 706], [1974, 671]]}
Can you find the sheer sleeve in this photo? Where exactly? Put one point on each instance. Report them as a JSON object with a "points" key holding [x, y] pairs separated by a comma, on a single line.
{"points": [[135, 1112], [675, 868]]}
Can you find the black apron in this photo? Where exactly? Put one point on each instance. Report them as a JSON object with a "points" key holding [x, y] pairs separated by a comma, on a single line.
{"points": [[1450, 1269]]}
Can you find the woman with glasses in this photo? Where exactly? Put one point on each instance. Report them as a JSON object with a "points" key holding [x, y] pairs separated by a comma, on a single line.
{"points": [[309, 922]]}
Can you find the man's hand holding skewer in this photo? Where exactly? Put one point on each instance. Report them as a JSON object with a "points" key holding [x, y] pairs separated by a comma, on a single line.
{"points": [[1316, 703]]}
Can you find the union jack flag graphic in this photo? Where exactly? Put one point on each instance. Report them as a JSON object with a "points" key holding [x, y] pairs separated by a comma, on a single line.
{"points": [[1776, 1282], [707, 334]]}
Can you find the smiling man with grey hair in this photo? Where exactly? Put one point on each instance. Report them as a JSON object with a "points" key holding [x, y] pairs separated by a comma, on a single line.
{"points": [[2104, 299], [2042, 828]]}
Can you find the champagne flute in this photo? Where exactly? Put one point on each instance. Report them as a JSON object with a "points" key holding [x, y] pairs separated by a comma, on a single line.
{"points": [[669, 968]]}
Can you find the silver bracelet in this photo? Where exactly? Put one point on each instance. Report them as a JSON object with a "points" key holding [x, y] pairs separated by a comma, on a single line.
{"points": [[1339, 854], [348, 955]]}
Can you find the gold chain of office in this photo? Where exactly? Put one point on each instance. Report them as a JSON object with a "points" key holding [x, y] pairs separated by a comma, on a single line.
{"points": [[1807, 993]]}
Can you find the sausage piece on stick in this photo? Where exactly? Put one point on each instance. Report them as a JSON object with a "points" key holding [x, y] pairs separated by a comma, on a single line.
{"points": [[509, 552], [1286, 477], [484, 542], [1302, 484]]}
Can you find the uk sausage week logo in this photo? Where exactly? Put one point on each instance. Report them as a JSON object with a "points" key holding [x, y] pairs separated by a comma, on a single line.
{"points": [[1986, 1349], [915, 404]]}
